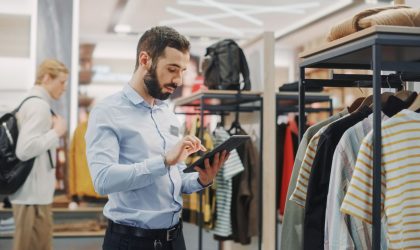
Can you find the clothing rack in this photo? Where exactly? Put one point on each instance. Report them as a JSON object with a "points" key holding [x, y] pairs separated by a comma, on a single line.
{"points": [[379, 48], [288, 102], [215, 101]]}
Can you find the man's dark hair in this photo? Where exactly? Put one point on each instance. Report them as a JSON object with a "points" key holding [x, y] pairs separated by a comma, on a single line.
{"points": [[155, 40]]}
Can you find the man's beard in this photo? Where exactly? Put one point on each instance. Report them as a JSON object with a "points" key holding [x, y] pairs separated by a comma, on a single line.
{"points": [[153, 86]]}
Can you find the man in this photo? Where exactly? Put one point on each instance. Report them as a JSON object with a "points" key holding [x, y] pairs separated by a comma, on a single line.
{"points": [[39, 132], [135, 153]]}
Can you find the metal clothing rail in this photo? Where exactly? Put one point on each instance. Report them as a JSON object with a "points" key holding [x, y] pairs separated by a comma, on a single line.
{"points": [[212, 102], [379, 48], [288, 102]]}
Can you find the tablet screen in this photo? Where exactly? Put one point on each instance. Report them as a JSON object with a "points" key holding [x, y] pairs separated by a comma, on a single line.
{"points": [[231, 143]]}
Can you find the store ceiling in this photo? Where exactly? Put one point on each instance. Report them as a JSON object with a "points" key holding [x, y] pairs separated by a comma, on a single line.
{"points": [[202, 21], [196, 18]]}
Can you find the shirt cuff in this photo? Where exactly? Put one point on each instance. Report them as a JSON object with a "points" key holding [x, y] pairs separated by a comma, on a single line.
{"points": [[156, 166], [202, 185]]}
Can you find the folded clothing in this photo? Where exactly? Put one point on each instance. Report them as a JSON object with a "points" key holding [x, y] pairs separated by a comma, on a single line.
{"points": [[397, 17], [353, 24]]}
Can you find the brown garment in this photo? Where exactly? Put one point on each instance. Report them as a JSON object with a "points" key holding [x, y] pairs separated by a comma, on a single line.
{"points": [[352, 24], [397, 17], [245, 195], [33, 227]]}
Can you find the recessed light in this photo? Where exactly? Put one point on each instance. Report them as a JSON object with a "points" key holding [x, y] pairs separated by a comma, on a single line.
{"points": [[122, 28]]}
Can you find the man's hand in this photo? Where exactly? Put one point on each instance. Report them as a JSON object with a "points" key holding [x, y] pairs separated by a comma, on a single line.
{"points": [[59, 125], [187, 146], [207, 175]]}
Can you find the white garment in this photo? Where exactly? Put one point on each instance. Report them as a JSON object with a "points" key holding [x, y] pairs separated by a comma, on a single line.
{"points": [[36, 136]]}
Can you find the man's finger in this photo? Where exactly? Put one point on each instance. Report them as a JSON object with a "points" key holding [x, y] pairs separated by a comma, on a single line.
{"points": [[216, 159], [207, 163], [199, 170], [188, 145]]}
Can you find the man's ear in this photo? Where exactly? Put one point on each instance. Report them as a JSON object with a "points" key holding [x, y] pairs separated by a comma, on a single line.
{"points": [[145, 60]]}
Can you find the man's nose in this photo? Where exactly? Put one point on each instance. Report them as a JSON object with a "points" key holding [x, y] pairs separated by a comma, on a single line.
{"points": [[178, 81]]}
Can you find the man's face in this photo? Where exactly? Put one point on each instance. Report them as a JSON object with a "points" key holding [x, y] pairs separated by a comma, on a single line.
{"points": [[165, 75]]}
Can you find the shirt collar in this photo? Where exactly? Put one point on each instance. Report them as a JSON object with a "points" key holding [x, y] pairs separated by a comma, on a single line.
{"points": [[41, 92], [136, 99]]}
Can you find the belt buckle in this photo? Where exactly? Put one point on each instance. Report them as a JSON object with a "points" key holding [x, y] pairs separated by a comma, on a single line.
{"points": [[169, 236]]}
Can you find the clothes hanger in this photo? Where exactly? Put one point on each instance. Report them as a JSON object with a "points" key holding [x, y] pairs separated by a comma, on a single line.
{"points": [[386, 99], [404, 94], [415, 106], [358, 102], [235, 125], [366, 102]]}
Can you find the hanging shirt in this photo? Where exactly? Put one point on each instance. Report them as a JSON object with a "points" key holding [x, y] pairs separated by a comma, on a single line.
{"points": [[292, 227], [299, 194], [400, 195], [232, 167], [288, 158], [280, 135], [126, 140], [246, 193], [79, 180], [343, 232], [316, 199]]}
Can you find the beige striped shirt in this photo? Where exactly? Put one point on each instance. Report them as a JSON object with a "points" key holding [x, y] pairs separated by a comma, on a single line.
{"points": [[400, 181]]}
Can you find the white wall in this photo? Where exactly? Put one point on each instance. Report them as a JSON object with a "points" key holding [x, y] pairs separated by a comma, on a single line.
{"points": [[17, 54]]}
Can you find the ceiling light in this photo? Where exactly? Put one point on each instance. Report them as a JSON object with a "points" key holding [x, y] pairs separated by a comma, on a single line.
{"points": [[203, 21], [252, 9], [234, 12], [122, 28]]}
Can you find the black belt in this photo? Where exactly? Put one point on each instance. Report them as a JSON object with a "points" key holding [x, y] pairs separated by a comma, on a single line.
{"points": [[153, 234]]}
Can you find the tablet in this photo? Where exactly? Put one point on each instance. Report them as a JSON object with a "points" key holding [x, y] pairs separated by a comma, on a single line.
{"points": [[233, 142]]}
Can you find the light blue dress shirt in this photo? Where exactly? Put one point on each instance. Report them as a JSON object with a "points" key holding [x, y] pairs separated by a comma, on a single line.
{"points": [[126, 139]]}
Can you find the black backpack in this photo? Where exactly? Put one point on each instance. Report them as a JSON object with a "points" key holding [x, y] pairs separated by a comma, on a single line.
{"points": [[223, 64], [13, 172]]}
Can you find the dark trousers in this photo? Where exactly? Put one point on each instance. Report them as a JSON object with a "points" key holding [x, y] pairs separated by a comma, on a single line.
{"points": [[116, 241]]}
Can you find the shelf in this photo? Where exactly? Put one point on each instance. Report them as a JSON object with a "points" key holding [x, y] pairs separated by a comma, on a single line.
{"points": [[400, 49], [292, 98], [217, 98]]}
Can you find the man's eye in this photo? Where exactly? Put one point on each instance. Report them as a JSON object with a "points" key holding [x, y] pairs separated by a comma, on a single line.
{"points": [[172, 70]]}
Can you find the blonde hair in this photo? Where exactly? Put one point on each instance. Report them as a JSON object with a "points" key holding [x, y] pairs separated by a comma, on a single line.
{"points": [[51, 67]]}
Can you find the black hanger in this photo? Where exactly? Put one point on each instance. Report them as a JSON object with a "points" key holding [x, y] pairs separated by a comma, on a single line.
{"points": [[235, 124]]}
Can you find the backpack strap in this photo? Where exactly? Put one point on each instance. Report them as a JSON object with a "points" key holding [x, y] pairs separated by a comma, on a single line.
{"points": [[244, 70], [24, 100], [52, 113]]}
